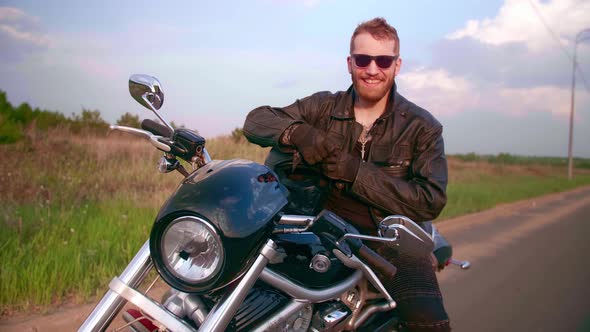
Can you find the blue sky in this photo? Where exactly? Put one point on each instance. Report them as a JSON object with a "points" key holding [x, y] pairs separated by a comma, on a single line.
{"points": [[490, 71]]}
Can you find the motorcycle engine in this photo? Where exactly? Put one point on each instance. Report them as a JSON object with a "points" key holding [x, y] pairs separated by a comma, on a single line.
{"points": [[262, 303], [298, 322]]}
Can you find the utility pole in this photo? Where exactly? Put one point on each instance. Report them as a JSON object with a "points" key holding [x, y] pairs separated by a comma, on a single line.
{"points": [[570, 167]]}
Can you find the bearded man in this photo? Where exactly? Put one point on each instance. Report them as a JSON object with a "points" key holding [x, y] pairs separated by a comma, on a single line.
{"points": [[381, 155]]}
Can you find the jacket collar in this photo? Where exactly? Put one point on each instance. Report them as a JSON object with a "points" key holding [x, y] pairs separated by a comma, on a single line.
{"points": [[344, 109]]}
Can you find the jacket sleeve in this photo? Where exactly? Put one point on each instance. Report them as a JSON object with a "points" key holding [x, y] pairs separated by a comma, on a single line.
{"points": [[422, 195], [265, 125]]}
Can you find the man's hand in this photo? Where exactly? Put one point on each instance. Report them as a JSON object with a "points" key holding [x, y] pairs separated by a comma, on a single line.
{"points": [[313, 144], [437, 267], [341, 166]]}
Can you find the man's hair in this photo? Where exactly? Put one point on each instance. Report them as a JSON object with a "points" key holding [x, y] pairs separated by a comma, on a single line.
{"points": [[379, 29]]}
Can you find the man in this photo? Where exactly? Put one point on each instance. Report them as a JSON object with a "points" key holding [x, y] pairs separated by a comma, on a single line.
{"points": [[382, 155]]}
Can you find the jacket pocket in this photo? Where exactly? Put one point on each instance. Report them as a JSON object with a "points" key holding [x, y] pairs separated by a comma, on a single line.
{"points": [[394, 161], [398, 168]]}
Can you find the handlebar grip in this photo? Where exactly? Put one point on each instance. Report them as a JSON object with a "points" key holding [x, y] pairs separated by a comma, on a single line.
{"points": [[377, 262], [156, 128]]}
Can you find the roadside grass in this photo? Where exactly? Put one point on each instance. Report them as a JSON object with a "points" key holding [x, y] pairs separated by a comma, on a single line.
{"points": [[59, 253], [75, 209], [509, 159], [489, 191]]}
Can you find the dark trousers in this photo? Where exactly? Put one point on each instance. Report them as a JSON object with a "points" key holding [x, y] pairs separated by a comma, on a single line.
{"points": [[416, 291]]}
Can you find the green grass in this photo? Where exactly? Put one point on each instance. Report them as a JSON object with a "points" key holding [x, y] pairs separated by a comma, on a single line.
{"points": [[54, 252], [509, 159], [74, 210], [489, 191]]}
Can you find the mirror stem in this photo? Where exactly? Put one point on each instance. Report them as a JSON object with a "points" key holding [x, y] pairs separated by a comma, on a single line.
{"points": [[156, 112]]}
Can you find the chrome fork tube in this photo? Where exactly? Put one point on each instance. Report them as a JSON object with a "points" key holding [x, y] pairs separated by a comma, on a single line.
{"points": [[226, 308], [111, 302]]}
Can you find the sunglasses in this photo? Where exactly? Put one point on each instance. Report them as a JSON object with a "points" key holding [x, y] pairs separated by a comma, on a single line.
{"points": [[382, 61]]}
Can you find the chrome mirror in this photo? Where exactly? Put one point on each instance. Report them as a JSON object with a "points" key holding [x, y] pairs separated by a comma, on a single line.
{"points": [[412, 239], [147, 91]]}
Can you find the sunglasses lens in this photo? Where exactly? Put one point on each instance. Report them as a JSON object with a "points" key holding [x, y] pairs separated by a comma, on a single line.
{"points": [[362, 60], [384, 61]]}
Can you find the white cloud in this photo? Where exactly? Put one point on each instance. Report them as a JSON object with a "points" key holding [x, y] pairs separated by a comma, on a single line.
{"points": [[508, 64], [554, 100], [438, 91], [11, 14], [444, 94], [26, 37], [20, 34], [518, 21]]}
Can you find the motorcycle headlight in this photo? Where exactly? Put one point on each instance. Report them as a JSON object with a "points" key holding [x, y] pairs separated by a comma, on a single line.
{"points": [[191, 252]]}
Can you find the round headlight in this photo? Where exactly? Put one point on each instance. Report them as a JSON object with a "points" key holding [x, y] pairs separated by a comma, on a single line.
{"points": [[192, 249]]}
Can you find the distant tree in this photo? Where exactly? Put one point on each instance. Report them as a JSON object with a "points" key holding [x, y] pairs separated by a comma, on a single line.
{"points": [[23, 114], [47, 119], [129, 120], [504, 158], [5, 106], [10, 131], [89, 120], [92, 117]]}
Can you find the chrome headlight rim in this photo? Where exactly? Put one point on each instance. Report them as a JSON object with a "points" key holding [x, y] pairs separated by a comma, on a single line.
{"points": [[161, 262]]}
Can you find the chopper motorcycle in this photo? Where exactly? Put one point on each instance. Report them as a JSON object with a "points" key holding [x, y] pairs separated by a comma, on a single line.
{"points": [[235, 261]]}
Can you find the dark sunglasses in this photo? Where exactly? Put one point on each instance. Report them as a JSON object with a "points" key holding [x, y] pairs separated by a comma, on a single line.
{"points": [[382, 61]]}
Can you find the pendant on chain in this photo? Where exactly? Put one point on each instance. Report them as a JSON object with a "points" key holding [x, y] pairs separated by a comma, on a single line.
{"points": [[363, 139]]}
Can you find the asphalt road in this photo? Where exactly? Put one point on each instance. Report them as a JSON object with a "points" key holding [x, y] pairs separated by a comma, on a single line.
{"points": [[530, 270], [530, 267]]}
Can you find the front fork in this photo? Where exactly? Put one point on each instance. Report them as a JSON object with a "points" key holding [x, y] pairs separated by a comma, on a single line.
{"points": [[122, 289], [111, 302], [226, 308]]}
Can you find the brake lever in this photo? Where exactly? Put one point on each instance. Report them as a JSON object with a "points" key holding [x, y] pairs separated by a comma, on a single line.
{"points": [[369, 238], [153, 139], [463, 264]]}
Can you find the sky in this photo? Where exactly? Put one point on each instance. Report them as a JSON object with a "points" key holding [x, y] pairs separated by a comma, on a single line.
{"points": [[496, 74]]}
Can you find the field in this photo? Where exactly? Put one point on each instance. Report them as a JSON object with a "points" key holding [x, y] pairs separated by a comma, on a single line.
{"points": [[75, 209]]}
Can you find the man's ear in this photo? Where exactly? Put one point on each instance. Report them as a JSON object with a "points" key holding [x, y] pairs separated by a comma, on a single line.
{"points": [[349, 63], [398, 65]]}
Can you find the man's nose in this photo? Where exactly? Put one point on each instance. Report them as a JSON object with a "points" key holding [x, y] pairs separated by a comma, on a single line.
{"points": [[372, 68]]}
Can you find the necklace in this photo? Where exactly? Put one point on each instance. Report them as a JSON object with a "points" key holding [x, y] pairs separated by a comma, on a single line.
{"points": [[364, 138]]}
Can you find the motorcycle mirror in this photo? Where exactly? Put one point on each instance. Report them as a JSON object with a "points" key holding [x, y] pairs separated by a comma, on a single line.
{"points": [[147, 91], [412, 239]]}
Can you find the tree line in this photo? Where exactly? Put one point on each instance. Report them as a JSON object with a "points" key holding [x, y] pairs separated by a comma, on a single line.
{"points": [[16, 121]]}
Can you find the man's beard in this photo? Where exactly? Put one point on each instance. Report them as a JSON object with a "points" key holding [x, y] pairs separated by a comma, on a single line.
{"points": [[372, 94]]}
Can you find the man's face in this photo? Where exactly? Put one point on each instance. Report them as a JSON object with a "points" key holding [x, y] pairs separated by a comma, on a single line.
{"points": [[373, 83]]}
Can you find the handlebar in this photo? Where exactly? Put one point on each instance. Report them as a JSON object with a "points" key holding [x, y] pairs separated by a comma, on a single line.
{"points": [[156, 128], [153, 139], [329, 223], [182, 143], [376, 261]]}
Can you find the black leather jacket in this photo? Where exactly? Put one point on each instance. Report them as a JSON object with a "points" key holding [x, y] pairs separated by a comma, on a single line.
{"points": [[406, 172]]}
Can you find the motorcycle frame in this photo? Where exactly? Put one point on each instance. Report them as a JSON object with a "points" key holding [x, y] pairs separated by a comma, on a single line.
{"points": [[123, 289]]}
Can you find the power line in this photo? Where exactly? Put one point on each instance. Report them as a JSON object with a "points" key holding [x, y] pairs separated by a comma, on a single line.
{"points": [[554, 35]]}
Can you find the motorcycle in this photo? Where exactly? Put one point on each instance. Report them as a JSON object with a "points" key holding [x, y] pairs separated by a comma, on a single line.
{"points": [[236, 261]]}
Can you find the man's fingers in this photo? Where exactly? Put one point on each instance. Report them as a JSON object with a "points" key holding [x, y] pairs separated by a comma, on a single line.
{"points": [[434, 261], [312, 159]]}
